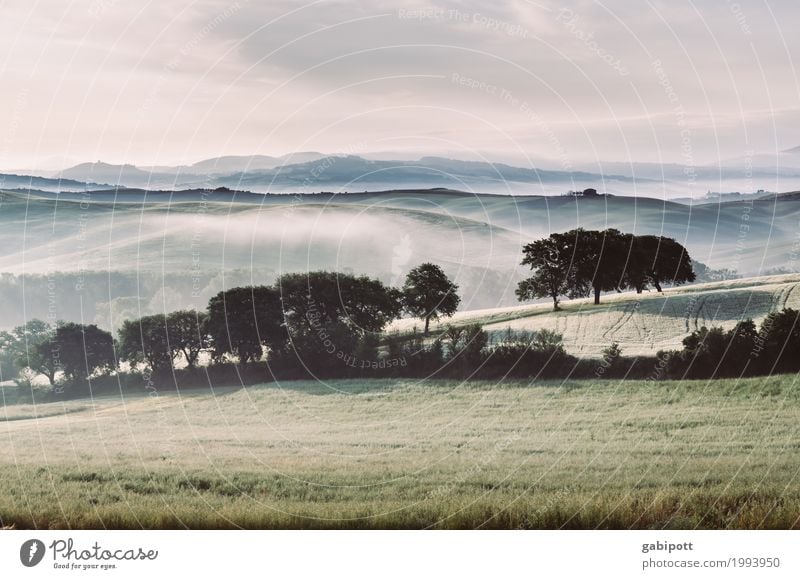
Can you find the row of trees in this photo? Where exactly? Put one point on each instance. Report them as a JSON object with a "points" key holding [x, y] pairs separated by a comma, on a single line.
{"points": [[744, 350], [75, 351], [580, 262], [331, 325], [314, 320]]}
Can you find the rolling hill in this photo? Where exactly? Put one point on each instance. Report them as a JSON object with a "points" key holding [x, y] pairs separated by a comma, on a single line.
{"points": [[102, 255]]}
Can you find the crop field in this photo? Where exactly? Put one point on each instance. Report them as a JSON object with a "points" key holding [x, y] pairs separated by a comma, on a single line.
{"points": [[402, 454], [643, 323]]}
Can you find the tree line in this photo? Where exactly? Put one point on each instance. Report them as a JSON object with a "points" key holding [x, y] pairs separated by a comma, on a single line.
{"points": [[332, 325], [311, 321], [744, 350]]}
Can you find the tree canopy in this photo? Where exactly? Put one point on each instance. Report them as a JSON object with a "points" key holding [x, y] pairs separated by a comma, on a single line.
{"points": [[428, 293], [242, 321], [580, 262], [22, 347], [79, 351]]}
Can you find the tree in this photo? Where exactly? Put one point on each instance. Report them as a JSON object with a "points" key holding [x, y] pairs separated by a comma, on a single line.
{"points": [[779, 341], [328, 314], [466, 345], [658, 260], [703, 351], [160, 339], [599, 260], [80, 350], [549, 260], [22, 346], [638, 270], [429, 294], [242, 321], [362, 303], [145, 340], [186, 330]]}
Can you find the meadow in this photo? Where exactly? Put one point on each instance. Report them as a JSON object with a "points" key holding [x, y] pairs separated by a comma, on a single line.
{"points": [[404, 454]]}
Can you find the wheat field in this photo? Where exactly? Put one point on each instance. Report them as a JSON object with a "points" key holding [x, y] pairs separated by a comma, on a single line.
{"points": [[642, 324], [400, 454]]}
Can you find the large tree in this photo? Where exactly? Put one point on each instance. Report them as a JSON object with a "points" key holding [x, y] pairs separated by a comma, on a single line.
{"points": [[186, 330], [428, 293], [242, 321], [779, 341], [657, 260], [145, 340], [161, 339], [600, 260], [361, 303], [21, 345], [671, 262], [550, 260], [79, 351]]}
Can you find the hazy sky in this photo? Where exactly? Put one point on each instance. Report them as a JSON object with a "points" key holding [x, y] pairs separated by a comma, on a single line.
{"points": [[169, 81]]}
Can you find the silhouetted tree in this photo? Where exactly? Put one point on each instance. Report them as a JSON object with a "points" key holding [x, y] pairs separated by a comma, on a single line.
{"points": [[360, 302], [21, 347], [241, 321], [779, 342], [429, 294], [145, 341], [599, 260], [713, 352], [332, 317], [659, 260], [160, 339], [550, 260], [186, 330], [80, 350]]}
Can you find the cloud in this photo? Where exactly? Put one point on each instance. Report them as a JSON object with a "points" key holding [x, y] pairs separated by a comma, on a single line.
{"points": [[178, 81]]}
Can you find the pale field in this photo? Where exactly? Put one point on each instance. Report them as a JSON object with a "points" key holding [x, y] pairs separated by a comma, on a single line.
{"points": [[643, 323], [400, 454]]}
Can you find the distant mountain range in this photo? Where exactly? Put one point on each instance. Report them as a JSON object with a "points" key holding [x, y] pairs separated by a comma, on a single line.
{"points": [[314, 172], [307, 171]]}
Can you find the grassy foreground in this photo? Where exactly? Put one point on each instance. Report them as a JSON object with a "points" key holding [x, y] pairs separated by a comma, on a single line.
{"points": [[400, 454]]}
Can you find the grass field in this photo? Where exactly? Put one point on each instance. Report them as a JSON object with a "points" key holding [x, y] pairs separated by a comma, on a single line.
{"points": [[395, 454], [643, 323]]}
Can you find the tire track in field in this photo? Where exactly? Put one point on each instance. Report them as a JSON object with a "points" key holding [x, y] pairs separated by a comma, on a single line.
{"points": [[624, 318], [778, 297], [697, 310], [791, 288]]}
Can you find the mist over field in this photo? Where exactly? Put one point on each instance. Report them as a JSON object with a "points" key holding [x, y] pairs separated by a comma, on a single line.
{"points": [[101, 256]]}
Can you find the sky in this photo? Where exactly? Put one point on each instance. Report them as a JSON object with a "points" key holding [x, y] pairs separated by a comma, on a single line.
{"points": [[528, 82]]}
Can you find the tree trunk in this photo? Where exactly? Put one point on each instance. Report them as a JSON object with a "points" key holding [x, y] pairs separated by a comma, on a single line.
{"points": [[427, 324], [555, 303], [638, 289], [596, 296], [658, 285]]}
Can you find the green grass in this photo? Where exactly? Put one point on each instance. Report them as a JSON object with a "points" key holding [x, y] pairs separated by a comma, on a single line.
{"points": [[400, 454]]}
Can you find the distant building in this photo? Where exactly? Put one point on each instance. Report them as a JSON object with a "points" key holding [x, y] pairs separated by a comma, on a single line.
{"points": [[585, 193]]}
